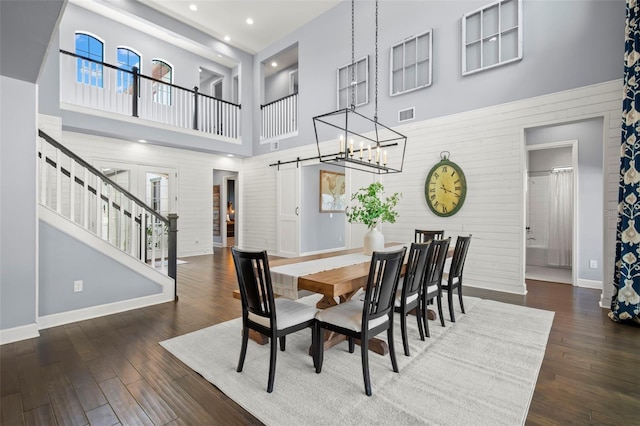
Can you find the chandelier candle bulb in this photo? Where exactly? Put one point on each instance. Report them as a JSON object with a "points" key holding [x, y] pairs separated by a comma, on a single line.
{"points": [[341, 144], [361, 148], [369, 152], [378, 155], [351, 147], [384, 158]]}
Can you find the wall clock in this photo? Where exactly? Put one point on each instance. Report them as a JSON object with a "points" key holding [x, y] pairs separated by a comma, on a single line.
{"points": [[446, 187]]}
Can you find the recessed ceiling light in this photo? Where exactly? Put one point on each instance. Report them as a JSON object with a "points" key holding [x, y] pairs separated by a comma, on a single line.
{"points": [[274, 64], [219, 55], [249, 21], [227, 38], [142, 141], [193, 7], [493, 39], [229, 155]]}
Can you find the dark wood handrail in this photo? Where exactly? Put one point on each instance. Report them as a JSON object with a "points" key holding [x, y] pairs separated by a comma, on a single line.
{"points": [[278, 100], [75, 55], [95, 171]]}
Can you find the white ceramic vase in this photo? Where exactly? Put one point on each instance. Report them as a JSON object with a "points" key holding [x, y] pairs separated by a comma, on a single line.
{"points": [[373, 241]]}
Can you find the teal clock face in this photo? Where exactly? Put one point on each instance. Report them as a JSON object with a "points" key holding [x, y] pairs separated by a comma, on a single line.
{"points": [[445, 188]]}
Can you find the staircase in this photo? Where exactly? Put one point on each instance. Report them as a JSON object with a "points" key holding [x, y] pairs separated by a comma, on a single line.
{"points": [[79, 200]]}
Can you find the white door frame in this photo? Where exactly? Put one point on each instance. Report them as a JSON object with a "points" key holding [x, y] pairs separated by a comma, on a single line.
{"points": [[573, 144]]}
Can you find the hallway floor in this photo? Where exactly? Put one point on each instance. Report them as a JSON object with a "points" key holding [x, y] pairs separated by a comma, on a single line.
{"points": [[541, 273]]}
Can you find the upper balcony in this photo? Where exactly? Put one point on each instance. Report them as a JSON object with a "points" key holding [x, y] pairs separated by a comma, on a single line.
{"points": [[105, 87]]}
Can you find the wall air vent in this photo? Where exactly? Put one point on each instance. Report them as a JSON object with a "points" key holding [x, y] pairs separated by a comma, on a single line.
{"points": [[406, 114], [274, 146]]}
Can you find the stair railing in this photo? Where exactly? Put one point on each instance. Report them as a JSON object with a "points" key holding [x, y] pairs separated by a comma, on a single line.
{"points": [[279, 117], [81, 193]]}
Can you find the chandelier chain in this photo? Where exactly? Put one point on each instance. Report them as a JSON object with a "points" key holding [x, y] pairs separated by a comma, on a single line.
{"points": [[375, 115], [352, 85]]}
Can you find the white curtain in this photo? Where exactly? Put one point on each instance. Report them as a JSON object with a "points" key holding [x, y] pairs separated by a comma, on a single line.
{"points": [[560, 218]]}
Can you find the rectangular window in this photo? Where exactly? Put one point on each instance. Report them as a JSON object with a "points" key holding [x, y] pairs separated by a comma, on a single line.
{"points": [[411, 63], [492, 36], [353, 83]]}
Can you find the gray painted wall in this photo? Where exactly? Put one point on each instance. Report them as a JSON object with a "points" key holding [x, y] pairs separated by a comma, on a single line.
{"points": [[277, 85], [18, 223], [590, 187], [552, 61], [544, 160], [319, 231], [63, 259]]}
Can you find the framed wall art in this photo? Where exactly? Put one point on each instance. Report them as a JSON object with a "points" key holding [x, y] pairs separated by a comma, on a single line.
{"points": [[332, 192]]}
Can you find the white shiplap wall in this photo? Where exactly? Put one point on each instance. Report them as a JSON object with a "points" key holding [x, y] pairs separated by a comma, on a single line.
{"points": [[194, 181], [488, 144]]}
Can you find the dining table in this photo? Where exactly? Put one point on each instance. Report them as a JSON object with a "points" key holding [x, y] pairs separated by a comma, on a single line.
{"points": [[335, 284]]}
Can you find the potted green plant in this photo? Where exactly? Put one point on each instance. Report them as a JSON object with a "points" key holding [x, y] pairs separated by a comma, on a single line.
{"points": [[370, 207]]}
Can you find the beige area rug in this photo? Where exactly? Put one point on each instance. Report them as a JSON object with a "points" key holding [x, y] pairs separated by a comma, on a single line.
{"points": [[482, 369]]}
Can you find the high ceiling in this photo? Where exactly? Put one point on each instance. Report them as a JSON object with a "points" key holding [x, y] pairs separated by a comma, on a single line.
{"points": [[272, 19]]}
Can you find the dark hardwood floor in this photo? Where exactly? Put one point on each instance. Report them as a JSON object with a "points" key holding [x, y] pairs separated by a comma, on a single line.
{"points": [[111, 370]]}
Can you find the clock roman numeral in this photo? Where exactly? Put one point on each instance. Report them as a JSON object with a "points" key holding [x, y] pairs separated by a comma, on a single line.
{"points": [[458, 188], [444, 209], [432, 190], [453, 173], [456, 181], [437, 175], [433, 197], [436, 204], [444, 169]]}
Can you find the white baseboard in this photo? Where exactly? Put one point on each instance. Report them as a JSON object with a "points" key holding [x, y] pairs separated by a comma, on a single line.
{"points": [[16, 334], [62, 318], [590, 284]]}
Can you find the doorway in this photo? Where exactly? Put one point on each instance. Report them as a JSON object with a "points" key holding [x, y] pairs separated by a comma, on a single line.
{"points": [[225, 208], [551, 219], [211, 83]]}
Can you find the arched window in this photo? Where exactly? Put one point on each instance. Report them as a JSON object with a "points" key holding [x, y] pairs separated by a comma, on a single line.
{"points": [[89, 67], [162, 71], [127, 59]]}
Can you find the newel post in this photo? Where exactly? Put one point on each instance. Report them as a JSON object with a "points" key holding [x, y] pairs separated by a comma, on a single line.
{"points": [[195, 108], [134, 95], [173, 250]]}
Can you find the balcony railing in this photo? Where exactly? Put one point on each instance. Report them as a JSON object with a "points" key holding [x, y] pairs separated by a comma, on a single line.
{"points": [[78, 191], [280, 117], [106, 87]]}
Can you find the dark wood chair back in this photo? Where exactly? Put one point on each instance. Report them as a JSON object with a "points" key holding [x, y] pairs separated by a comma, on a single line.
{"points": [[436, 258], [415, 270], [382, 283], [423, 235], [254, 280], [459, 257]]}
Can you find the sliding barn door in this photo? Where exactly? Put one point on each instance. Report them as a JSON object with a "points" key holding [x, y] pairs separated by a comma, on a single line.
{"points": [[288, 211]]}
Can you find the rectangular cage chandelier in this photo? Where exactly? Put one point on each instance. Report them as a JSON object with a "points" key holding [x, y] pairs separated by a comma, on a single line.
{"points": [[350, 139]]}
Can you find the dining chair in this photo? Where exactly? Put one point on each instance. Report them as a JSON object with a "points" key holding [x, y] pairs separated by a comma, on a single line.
{"points": [[432, 284], [423, 235], [408, 296], [453, 279], [262, 312], [363, 320]]}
